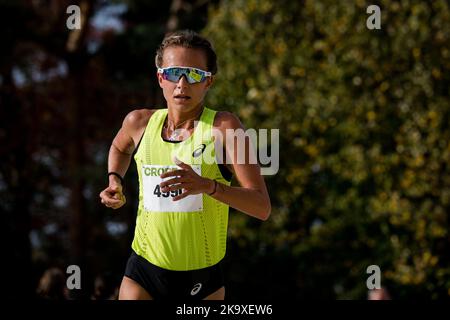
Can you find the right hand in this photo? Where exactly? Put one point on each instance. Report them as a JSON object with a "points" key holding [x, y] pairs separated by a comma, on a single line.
{"points": [[112, 196]]}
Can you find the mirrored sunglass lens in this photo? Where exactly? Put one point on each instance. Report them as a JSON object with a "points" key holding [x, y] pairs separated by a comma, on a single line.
{"points": [[173, 74], [195, 75]]}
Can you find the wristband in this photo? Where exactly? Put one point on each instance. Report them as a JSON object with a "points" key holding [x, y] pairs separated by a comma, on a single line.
{"points": [[117, 175]]}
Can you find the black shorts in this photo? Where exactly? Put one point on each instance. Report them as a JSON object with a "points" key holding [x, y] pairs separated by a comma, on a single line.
{"points": [[167, 284]]}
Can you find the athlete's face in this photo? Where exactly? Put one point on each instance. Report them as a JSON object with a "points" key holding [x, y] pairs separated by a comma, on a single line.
{"points": [[183, 95]]}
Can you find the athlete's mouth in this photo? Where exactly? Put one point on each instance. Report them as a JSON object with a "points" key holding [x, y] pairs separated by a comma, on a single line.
{"points": [[182, 97]]}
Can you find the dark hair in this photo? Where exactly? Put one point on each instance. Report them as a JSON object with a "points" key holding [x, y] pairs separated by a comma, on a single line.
{"points": [[52, 284], [188, 39]]}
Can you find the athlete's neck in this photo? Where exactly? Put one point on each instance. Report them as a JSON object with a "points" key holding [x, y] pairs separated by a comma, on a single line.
{"points": [[178, 119]]}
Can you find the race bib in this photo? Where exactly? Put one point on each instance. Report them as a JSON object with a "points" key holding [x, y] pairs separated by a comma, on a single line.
{"points": [[156, 200]]}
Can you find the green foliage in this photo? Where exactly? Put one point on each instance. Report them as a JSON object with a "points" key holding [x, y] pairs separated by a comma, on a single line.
{"points": [[364, 151]]}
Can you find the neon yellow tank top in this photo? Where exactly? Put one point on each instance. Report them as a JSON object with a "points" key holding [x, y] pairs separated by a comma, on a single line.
{"points": [[190, 233]]}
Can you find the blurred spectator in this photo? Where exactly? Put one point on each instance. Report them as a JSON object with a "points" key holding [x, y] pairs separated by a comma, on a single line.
{"points": [[105, 288], [379, 294], [52, 285]]}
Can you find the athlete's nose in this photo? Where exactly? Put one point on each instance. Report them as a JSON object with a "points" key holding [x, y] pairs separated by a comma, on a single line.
{"points": [[182, 82]]}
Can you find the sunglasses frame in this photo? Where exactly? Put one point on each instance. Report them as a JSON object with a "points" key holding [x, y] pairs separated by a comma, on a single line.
{"points": [[206, 73]]}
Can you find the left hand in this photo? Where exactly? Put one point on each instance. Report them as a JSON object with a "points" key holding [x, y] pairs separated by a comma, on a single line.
{"points": [[185, 178]]}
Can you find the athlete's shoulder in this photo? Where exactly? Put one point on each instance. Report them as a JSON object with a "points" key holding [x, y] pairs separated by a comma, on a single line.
{"points": [[138, 118], [227, 120]]}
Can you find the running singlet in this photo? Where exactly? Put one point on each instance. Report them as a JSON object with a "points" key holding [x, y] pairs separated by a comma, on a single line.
{"points": [[190, 233]]}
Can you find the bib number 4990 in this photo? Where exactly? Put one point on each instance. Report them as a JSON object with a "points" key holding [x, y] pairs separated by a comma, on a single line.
{"points": [[160, 194]]}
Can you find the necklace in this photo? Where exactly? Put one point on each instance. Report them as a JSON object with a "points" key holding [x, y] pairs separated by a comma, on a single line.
{"points": [[177, 133]]}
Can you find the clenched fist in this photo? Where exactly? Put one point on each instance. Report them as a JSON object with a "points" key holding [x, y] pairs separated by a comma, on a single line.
{"points": [[112, 196]]}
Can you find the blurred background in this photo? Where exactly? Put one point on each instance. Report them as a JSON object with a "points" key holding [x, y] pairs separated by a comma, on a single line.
{"points": [[364, 140]]}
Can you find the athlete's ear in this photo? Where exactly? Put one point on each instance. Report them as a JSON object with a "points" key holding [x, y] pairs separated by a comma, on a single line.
{"points": [[209, 82], [160, 78]]}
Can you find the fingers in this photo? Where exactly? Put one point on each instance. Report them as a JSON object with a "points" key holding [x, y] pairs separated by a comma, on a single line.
{"points": [[175, 187], [173, 173], [112, 190], [114, 206], [172, 181], [122, 202], [184, 166], [181, 196], [115, 188], [181, 164], [112, 203]]}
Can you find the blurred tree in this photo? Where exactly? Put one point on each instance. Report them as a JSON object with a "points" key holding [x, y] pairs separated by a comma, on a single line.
{"points": [[364, 151]]}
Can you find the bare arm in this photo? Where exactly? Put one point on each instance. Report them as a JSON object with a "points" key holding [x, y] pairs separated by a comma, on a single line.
{"points": [[251, 197], [121, 150], [120, 153]]}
